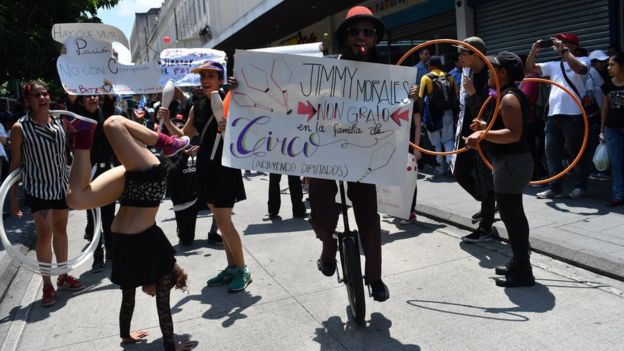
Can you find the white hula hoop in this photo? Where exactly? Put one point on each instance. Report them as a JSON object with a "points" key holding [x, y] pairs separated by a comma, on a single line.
{"points": [[31, 264]]}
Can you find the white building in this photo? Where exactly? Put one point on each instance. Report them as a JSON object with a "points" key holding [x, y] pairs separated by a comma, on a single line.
{"points": [[178, 23]]}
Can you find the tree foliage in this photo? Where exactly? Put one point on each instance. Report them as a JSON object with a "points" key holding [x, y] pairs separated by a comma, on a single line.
{"points": [[27, 49]]}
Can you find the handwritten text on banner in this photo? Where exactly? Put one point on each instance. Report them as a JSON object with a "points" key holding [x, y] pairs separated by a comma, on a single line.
{"points": [[319, 117]]}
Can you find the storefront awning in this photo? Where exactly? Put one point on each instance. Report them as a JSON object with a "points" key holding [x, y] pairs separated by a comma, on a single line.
{"points": [[285, 18]]}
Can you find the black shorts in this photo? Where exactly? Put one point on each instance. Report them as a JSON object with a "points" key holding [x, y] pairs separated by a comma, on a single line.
{"points": [[219, 185], [37, 204]]}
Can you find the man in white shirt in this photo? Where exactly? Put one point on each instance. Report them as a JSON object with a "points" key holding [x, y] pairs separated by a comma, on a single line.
{"points": [[564, 128]]}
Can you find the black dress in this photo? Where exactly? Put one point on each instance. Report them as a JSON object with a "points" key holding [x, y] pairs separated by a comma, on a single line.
{"points": [[218, 185]]}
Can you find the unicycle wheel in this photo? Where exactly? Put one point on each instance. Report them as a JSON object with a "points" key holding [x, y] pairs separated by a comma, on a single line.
{"points": [[353, 279]]}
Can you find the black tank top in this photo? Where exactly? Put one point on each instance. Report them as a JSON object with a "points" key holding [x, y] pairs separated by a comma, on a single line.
{"points": [[521, 146], [201, 115]]}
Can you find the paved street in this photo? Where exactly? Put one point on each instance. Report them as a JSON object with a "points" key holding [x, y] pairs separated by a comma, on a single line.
{"points": [[442, 296]]}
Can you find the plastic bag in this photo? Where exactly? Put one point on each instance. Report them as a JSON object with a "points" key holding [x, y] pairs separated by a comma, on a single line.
{"points": [[601, 158]]}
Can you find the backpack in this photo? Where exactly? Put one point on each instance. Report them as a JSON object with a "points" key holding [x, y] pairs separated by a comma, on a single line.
{"points": [[442, 97]]}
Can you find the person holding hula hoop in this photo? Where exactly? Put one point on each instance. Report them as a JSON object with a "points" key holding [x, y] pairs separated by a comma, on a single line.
{"points": [[513, 165], [142, 255], [38, 146]]}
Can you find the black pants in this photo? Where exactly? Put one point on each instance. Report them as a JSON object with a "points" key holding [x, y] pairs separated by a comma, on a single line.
{"points": [[512, 214], [296, 194], [108, 214], [324, 212], [186, 220], [474, 176], [536, 138]]}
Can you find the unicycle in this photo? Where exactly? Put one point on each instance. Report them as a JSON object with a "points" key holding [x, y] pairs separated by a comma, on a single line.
{"points": [[349, 247]]}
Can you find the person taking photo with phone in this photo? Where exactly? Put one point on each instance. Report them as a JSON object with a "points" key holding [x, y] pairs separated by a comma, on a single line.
{"points": [[564, 127]]}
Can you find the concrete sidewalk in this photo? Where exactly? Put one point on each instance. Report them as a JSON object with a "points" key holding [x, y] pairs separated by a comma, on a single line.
{"points": [[442, 296], [584, 232]]}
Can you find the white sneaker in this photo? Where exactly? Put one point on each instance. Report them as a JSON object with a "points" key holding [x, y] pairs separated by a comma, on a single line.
{"points": [[410, 220], [577, 193], [549, 194]]}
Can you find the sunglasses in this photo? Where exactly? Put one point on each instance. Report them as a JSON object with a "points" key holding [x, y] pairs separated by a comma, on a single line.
{"points": [[38, 95], [355, 31]]}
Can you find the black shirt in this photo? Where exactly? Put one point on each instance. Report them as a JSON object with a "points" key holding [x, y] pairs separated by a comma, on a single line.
{"points": [[615, 95], [202, 113], [521, 146], [473, 103]]}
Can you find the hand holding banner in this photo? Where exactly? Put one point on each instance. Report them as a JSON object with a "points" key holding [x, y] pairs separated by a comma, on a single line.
{"points": [[217, 110]]}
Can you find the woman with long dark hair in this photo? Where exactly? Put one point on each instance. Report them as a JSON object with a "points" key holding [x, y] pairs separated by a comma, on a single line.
{"points": [[142, 255]]}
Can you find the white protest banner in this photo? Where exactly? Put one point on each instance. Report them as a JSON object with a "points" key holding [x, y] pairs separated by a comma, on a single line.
{"points": [[310, 49], [88, 62], [320, 118], [177, 63], [397, 201], [102, 32]]}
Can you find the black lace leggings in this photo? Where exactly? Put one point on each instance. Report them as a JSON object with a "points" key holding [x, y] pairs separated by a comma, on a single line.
{"points": [[163, 290]]}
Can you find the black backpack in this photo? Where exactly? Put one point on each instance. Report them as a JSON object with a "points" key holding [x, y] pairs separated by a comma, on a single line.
{"points": [[442, 97]]}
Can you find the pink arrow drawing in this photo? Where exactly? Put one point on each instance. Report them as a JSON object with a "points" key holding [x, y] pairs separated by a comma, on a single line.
{"points": [[397, 116], [308, 109]]}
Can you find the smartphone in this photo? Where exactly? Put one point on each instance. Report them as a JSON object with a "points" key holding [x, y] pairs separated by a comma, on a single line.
{"points": [[545, 43]]}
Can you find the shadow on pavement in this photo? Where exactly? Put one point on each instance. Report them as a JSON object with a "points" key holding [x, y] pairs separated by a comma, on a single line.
{"points": [[484, 254], [34, 312], [222, 304], [278, 226], [535, 299], [374, 336], [192, 250], [157, 343], [407, 231]]}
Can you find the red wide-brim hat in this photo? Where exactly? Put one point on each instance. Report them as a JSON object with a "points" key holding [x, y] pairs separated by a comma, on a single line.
{"points": [[360, 13]]}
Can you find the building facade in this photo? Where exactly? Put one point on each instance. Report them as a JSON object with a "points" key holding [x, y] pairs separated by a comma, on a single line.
{"points": [[504, 25], [177, 23]]}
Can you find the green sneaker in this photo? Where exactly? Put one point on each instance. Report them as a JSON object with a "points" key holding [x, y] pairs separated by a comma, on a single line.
{"points": [[240, 280], [224, 277]]}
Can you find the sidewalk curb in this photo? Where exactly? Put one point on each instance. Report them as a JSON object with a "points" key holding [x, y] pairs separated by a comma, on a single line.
{"points": [[584, 258], [9, 269]]}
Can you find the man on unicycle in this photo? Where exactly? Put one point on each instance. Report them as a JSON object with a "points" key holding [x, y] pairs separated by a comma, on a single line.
{"points": [[358, 36]]}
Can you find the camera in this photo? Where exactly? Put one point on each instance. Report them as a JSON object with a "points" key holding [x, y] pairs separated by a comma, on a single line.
{"points": [[545, 43]]}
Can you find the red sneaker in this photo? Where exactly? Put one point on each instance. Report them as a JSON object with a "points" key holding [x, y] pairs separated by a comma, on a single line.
{"points": [[68, 282], [81, 129], [176, 145], [49, 295], [77, 123]]}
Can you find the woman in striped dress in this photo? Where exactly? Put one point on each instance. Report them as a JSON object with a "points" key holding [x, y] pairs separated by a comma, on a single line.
{"points": [[38, 146]]}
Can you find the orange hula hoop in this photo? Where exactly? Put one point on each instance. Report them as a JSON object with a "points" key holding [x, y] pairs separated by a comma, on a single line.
{"points": [[585, 134], [496, 82]]}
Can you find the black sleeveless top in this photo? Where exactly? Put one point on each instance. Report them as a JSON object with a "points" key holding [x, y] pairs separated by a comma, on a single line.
{"points": [[521, 146], [202, 113]]}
